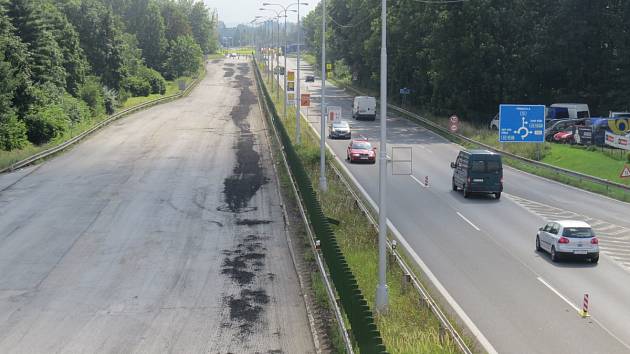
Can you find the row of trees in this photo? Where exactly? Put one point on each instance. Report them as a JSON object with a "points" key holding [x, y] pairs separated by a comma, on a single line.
{"points": [[67, 61], [470, 56]]}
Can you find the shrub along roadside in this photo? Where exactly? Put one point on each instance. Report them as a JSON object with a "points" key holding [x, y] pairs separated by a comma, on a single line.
{"points": [[407, 327]]}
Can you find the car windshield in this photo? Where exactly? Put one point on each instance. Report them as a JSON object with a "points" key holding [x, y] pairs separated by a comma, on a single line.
{"points": [[579, 232], [340, 125], [362, 145]]}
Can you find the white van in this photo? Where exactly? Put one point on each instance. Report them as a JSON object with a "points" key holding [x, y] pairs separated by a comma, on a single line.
{"points": [[568, 111], [364, 107]]}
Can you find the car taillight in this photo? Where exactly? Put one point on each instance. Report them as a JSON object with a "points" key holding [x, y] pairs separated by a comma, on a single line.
{"points": [[501, 179], [594, 241], [563, 240]]}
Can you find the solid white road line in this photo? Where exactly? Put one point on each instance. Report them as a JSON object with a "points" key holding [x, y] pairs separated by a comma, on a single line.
{"points": [[417, 180], [468, 221], [557, 293]]}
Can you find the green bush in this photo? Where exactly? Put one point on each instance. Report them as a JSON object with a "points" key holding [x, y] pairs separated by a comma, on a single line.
{"points": [[91, 92], [76, 109], [110, 98], [154, 78], [46, 124], [12, 132], [137, 86]]}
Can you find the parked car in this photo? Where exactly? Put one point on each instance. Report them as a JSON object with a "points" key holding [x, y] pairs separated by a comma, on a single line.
{"points": [[478, 171], [494, 123], [555, 126], [568, 110], [339, 129], [364, 107], [360, 150], [310, 78], [564, 137], [612, 114], [568, 238]]}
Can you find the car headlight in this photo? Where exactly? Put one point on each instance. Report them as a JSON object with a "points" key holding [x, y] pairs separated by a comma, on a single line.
{"points": [[356, 155]]}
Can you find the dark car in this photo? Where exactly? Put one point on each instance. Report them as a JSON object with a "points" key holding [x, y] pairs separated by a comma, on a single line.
{"points": [[478, 171], [310, 78], [360, 150], [339, 129]]}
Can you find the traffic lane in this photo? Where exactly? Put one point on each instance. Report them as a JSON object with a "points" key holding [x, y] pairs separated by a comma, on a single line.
{"points": [[539, 189], [120, 243], [445, 184], [563, 196]]}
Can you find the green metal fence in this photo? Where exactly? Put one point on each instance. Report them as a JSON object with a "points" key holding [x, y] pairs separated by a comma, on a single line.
{"points": [[353, 302]]}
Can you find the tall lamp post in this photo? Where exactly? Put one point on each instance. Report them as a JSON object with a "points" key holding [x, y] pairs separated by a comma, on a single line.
{"points": [[382, 291], [285, 9], [277, 17], [270, 58], [323, 185]]}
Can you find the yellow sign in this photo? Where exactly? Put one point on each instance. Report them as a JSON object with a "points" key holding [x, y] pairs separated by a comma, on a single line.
{"points": [[291, 96], [291, 76], [328, 66], [290, 86]]}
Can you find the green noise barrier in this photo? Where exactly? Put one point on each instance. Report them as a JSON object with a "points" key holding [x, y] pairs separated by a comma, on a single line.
{"points": [[360, 316]]}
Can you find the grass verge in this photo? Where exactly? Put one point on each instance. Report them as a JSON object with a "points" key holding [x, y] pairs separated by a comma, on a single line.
{"points": [[407, 327]]}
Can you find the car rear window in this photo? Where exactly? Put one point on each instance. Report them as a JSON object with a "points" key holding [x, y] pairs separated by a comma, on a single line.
{"points": [[578, 232], [486, 166]]}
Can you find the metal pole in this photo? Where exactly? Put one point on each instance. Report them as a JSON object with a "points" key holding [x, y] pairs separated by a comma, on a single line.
{"points": [[278, 60], [323, 186], [298, 100], [381, 291], [286, 91]]}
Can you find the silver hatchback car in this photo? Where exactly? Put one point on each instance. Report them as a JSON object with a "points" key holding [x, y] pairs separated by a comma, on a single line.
{"points": [[568, 238]]}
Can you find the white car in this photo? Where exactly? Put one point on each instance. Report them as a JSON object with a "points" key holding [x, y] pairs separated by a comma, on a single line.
{"points": [[570, 238], [494, 123]]}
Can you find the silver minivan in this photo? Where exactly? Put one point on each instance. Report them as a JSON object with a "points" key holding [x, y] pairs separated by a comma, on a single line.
{"points": [[570, 238]]}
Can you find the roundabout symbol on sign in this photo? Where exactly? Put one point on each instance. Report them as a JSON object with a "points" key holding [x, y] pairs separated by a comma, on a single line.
{"points": [[454, 119]]}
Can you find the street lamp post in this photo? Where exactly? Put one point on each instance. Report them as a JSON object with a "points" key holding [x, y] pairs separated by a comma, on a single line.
{"points": [[382, 291], [323, 185]]}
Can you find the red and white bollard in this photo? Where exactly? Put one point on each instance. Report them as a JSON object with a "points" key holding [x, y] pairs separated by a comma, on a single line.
{"points": [[584, 311], [426, 181]]}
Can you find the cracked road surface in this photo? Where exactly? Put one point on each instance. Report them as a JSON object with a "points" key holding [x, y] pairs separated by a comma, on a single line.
{"points": [[161, 233]]}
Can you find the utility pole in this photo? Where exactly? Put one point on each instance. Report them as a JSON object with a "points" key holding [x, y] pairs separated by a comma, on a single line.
{"points": [[298, 101], [323, 185], [381, 291]]}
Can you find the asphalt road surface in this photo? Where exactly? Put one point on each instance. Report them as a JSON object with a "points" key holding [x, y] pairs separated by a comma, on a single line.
{"points": [[482, 250], [161, 233]]}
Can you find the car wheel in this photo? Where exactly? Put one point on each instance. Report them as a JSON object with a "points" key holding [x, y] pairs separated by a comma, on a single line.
{"points": [[497, 195], [454, 186], [554, 255], [594, 260], [538, 248], [347, 157], [466, 192]]}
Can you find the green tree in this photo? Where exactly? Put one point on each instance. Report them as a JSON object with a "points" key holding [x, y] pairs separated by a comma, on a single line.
{"points": [[201, 26], [145, 21], [184, 57], [175, 20]]}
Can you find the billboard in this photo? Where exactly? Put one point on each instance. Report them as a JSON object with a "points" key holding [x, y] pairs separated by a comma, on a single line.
{"points": [[617, 133]]}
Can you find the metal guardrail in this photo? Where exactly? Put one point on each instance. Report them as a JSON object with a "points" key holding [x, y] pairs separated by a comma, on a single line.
{"points": [[55, 149], [558, 170], [343, 331]]}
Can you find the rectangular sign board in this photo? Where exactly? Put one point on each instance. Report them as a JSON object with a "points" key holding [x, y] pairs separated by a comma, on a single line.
{"points": [[305, 100], [290, 86], [521, 123], [333, 113], [291, 75]]}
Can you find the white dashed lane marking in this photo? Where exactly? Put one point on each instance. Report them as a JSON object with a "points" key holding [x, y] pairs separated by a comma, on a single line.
{"points": [[614, 239]]}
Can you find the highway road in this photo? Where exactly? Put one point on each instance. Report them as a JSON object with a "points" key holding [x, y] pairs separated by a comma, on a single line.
{"points": [[161, 233], [482, 250]]}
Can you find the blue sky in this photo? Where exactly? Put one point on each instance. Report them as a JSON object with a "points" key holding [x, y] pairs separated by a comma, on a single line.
{"points": [[233, 12]]}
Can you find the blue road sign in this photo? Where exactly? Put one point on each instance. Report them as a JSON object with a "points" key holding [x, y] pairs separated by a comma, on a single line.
{"points": [[405, 91], [521, 123]]}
